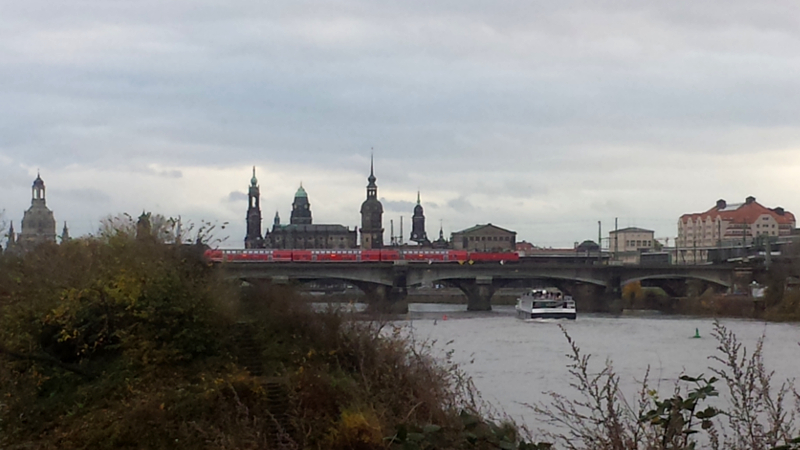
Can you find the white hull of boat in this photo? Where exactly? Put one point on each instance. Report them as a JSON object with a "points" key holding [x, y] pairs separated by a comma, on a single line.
{"points": [[560, 313]]}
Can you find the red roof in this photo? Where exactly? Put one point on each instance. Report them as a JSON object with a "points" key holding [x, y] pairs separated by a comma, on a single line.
{"points": [[747, 212]]}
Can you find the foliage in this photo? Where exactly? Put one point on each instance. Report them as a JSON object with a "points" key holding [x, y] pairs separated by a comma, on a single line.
{"points": [[131, 340], [757, 416], [632, 291], [472, 432], [673, 417]]}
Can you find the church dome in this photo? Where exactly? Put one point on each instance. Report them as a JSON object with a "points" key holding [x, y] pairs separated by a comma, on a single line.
{"points": [[38, 182], [301, 192]]}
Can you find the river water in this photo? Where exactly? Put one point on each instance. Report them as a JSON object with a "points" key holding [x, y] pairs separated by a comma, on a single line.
{"points": [[513, 362]]}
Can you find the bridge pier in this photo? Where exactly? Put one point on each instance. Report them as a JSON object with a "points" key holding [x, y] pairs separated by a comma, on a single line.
{"points": [[384, 299], [479, 293]]}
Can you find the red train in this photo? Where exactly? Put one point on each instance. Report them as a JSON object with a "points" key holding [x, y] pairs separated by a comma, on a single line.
{"points": [[355, 255]]}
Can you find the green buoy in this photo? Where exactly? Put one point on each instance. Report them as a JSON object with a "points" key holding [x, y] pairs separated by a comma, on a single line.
{"points": [[696, 334]]}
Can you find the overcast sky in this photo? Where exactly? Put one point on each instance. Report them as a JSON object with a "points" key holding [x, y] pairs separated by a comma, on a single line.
{"points": [[542, 117]]}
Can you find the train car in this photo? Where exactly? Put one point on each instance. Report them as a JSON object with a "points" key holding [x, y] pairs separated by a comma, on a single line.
{"points": [[457, 255], [429, 255], [494, 257], [255, 255], [422, 255], [370, 255], [281, 255], [354, 255], [336, 255], [390, 255], [302, 255], [213, 255]]}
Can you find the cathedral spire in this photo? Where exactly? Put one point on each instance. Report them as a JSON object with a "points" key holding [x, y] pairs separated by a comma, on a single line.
{"points": [[418, 233], [371, 177], [65, 233], [371, 213], [12, 236], [253, 237]]}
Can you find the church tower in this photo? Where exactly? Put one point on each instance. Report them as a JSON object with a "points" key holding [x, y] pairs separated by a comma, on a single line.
{"points": [[65, 233], [301, 209], [418, 234], [253, 237], [38, 223], [371, 215], [11, 242]]}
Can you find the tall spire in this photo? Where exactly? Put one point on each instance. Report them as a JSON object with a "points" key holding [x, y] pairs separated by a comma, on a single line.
{"points": [[12, 236], [371, 178], [418, 197], [371, 213], [65, 233], [253, 237]]}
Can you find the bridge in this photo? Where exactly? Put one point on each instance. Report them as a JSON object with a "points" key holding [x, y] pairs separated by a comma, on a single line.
{"points": [[387, 283]]}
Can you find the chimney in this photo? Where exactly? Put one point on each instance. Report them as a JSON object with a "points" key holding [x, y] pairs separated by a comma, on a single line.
{"points": [[749, 200], [721, 204]]}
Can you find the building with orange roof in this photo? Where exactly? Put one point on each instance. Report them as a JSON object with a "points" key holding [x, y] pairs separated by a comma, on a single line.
{"points": [[729, 225]]}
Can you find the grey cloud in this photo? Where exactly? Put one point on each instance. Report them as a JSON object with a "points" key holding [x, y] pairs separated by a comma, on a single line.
{"points": [[461, 204], [84, 195], [528, 100], [237, 197], [398, 205]]}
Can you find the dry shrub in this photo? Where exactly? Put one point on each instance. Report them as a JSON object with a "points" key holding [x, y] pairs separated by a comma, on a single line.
{"points": [[597, 415], [130, 343]]}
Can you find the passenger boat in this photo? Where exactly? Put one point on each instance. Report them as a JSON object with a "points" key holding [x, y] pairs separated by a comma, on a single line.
{"points": [[541, 304]]}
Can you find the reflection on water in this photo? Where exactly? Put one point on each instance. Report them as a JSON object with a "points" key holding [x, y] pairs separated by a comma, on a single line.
{"points": [[513, 361]]}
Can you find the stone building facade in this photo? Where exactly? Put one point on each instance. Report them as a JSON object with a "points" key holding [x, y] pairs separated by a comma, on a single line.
{"points": [[312, 236], [484, 238], [729, 225], [300, 233], [627, 244]]}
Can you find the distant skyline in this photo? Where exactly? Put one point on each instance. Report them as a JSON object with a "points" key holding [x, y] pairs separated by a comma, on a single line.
{"points": [[540, 117]]}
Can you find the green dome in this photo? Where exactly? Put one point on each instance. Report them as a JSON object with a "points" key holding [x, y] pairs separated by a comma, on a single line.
{"points": [[301, 192], [254, 180]]}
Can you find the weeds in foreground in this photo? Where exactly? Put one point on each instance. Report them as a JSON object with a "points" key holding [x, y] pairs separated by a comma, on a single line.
{"points": [[757, 416]]}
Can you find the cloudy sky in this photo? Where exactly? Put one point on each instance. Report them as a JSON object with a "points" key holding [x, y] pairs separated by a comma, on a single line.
{"points": [[542, 117]]}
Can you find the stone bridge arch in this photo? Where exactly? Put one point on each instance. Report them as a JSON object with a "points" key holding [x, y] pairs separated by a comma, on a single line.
{"points": [[677, 285], [479, 287]]}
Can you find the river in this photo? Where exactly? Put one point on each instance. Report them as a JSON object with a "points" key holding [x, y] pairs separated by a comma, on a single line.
{"points": [[513, 362]]}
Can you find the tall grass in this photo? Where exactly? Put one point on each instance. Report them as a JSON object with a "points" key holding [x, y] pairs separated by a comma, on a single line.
{"points": [[118, 342], [753, 412]]}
